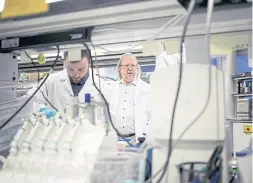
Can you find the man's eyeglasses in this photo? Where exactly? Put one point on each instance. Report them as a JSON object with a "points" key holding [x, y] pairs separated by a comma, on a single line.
{"points": [[128, 65]]}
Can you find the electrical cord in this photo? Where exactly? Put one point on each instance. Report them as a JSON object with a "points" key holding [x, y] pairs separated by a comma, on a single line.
{"points": [[102, 95], [126, 29], [208, 26], [38, 75], [245, 152], [187, 20], [108, 108], [169, 23], [99, 89], [96, 60], [232, 179], [38, 72], [49, 101], [207, 39], [34, 93], [149, 170]]}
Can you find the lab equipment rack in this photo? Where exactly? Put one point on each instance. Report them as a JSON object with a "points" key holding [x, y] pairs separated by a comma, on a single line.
{"points": [[238, 116]]}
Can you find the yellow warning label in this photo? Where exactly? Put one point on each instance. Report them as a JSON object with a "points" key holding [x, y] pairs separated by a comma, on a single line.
{"points": [[17, 8], [247, 129]]}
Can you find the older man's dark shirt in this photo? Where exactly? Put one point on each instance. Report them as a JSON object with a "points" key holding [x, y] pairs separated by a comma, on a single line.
{"points": [[77, 87]]}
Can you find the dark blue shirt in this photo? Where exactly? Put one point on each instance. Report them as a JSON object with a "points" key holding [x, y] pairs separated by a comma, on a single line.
{"points": [[77, 87]]}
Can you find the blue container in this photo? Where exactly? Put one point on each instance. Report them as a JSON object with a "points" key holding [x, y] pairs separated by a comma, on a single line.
{"points": [[87, 98], [148, 169]]}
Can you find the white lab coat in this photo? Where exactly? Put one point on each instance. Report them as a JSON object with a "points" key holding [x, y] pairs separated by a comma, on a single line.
{"points": [[142, 92], [59, 92]]}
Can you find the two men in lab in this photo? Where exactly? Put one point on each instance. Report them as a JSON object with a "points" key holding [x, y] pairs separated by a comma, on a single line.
{"points": [[128, 99]]}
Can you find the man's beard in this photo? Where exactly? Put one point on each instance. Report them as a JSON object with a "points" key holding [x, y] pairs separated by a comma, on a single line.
{"points": [[75, 80], [78, 80]]}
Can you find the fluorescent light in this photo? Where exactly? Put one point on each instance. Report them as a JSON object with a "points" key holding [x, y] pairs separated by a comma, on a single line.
{"points": [[2, 5], [53, 1]]}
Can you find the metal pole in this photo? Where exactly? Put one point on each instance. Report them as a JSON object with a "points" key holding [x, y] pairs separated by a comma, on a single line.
{"points": [[230, 110]]}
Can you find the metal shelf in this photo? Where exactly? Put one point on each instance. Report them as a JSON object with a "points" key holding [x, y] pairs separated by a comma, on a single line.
{"points": [[242, 78], [23, 90], [243, 100], [27, 83], [240, 120], [242, 94]]}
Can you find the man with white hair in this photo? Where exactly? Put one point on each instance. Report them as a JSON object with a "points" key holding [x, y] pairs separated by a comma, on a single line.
{"points": [[128, 100]]}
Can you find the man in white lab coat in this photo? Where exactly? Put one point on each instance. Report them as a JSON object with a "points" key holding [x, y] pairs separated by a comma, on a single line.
{"points": [[128, 99], [69, 85]]}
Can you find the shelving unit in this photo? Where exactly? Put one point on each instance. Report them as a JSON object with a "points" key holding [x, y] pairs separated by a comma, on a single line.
{"points": [[242, 78], [242, 95], [239, 130], [243, 100]]}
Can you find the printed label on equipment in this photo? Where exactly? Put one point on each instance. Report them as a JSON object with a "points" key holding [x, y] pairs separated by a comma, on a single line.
{"points": [[247, 129], [122, 143], [10, 43], [76, 36]]}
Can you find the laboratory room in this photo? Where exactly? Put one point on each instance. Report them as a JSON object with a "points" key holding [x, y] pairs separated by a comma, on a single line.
{"points": [[126, 91]]}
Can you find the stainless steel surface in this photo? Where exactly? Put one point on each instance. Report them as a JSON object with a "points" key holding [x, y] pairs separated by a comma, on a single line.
{"points": [[8, 71], [9, 103]]}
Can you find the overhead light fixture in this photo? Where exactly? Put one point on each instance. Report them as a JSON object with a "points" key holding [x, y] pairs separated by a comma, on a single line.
{"points": [[52, 1], [2, 5]]}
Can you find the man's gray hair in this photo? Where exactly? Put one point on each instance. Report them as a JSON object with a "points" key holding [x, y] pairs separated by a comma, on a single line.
{"points": [[119, 64]]}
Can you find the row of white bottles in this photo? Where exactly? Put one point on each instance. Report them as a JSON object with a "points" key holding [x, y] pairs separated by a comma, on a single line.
{"points": [[53, 150]]}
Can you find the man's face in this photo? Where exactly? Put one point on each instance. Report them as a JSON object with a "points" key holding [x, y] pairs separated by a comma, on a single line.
{"points": [[128, 69], [77, 70]]}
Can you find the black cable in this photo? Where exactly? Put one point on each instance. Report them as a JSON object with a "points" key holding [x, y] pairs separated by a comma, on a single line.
{"points": [[34, 93], [108, 108], [232, 179], [149, 171], [103, 97], [190, 10], [38, 73], [48, 101]]}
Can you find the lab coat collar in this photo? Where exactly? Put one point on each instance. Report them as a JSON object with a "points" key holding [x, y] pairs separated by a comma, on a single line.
{"points": [[64, 79], [64, 76]]}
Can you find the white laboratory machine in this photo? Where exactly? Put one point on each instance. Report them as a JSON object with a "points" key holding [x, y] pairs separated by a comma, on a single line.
{"points": [[242, 147], [200, 140]]}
